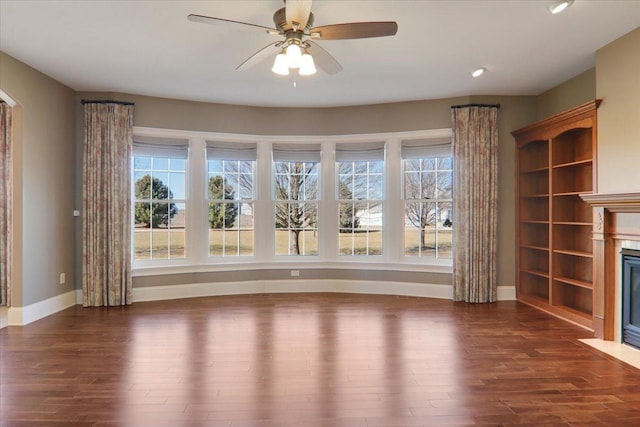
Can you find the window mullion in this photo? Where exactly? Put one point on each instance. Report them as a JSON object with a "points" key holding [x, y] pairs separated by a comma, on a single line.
{"points": [[264, 218], [197, 230], [393, 206]]}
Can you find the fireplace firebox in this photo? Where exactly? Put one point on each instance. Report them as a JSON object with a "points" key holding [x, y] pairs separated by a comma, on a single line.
{"points": [[631, 297]]}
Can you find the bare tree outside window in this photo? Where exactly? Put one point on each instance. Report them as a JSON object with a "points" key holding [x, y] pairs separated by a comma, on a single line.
{"points": [[296, 207], [428, 206]]}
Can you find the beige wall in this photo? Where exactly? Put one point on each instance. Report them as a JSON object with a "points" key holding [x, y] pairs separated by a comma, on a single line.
{"points": [[573, 92], [618, 85], [207, 117], [47, 175]]}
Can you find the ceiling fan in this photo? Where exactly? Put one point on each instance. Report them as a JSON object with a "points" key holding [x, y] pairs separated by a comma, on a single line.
{"points": [[298, 50]]}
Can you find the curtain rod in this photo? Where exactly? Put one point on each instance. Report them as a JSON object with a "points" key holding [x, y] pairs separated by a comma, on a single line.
{"points": [[84, 101], [476, 105]]}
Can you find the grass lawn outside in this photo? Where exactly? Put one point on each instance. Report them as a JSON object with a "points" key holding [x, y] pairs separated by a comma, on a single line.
{"points": [[169, 244]]}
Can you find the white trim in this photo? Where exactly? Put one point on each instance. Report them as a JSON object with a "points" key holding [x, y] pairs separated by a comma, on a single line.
{"points": [[507, 293], [4, 317], [20, 316], [298, 264], [194, 290], [305, 139]]}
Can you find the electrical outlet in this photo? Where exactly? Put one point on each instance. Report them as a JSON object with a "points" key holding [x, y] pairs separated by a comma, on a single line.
{"points": [[63, 278], [295, 273]]}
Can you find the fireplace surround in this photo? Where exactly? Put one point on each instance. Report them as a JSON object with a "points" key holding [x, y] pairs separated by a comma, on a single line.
{"points": [[616, 226]]}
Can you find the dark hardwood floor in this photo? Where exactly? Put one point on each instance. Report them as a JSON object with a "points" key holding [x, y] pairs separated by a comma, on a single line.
{"points": [[310, 360]]}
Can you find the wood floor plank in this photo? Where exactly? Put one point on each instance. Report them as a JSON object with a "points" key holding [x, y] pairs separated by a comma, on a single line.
{"points": [[310, 360]]}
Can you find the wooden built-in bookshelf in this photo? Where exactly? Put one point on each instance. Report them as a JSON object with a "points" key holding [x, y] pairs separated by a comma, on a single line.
{"points": [[555, 164]]}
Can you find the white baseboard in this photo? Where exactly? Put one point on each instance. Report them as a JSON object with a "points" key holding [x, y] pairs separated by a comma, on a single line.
{"points": [[156, 293], [506, 293], [20, 316], [4, 317]]}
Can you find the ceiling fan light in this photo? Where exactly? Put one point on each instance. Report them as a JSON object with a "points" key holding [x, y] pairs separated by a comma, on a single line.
{"points": [[307, 66], [559, 6], [478, 72], [294, 55], [281, 65]]}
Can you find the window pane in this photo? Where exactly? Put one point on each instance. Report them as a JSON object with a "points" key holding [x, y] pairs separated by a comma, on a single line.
{"points": [[428, 185], [412, 165], [214, 165], [159, 244], [428, 164], [376, 187], [345, 168], [177, 165], [160, 189], [176, 243], [140, 162], [142, 243], [444, 185], [245, 184], [445, 163], [177, 185], [160, 163], [142, 185]]}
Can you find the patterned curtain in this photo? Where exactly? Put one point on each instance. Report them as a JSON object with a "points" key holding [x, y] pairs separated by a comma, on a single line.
{"points": [[475, 194], [106, 240], [6, 194]]}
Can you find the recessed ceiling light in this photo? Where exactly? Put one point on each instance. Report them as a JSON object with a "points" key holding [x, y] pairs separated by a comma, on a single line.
{"points": [[478, 72], [559, 6]]}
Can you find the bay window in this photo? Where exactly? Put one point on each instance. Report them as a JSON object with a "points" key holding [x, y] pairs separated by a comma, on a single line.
{"points": [[205, 200]]}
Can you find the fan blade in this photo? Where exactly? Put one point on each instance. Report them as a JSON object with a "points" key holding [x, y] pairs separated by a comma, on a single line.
{"points": [[323, 59], [213, 21], [355, 30], [258, 56], [297, 11]]}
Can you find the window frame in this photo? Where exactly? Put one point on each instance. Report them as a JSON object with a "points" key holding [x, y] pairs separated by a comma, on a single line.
{"points": [[232, 152], [159, 144], [369, 152]]}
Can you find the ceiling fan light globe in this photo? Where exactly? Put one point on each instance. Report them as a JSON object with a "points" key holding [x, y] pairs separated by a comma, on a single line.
{"points": [[294, 55], [307, 66], [280, 65], [559, 6]]}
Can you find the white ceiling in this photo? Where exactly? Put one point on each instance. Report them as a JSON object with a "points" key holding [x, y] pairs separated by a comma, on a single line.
{"points": [[149, 47]]}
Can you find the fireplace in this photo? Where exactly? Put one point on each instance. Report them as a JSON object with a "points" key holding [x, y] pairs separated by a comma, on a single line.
{"points": [[631, 297], [616, 226]]}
